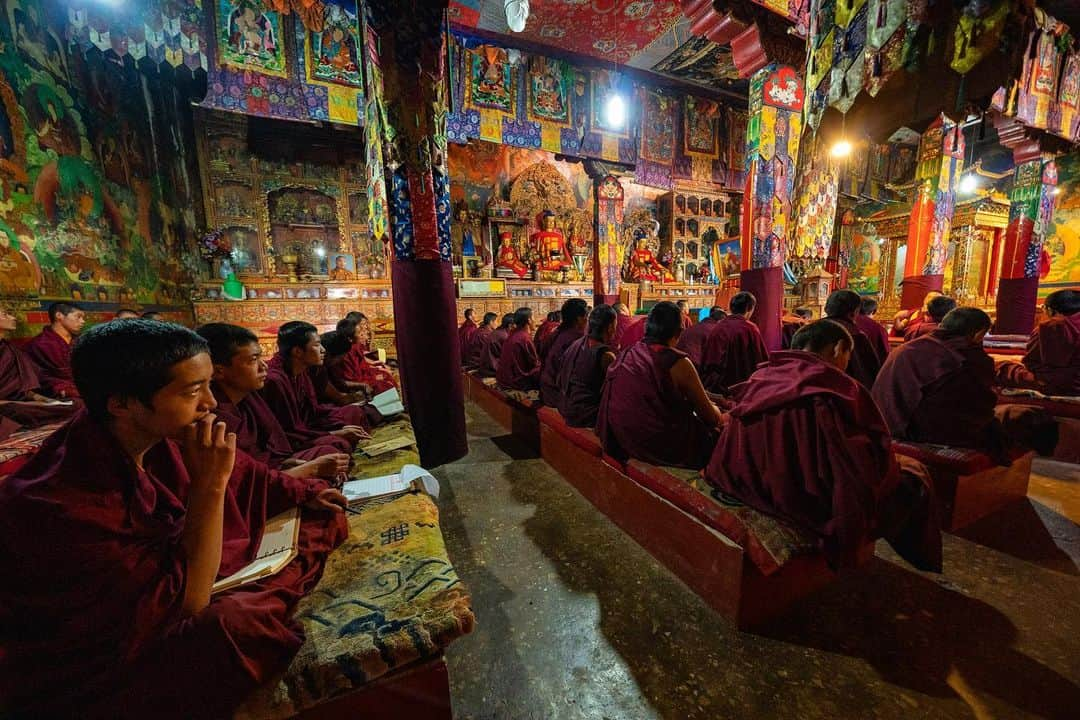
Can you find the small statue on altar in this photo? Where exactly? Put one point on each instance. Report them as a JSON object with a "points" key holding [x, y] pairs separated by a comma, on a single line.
{"points": [[508, 258], [643, 265], [549, 244]]}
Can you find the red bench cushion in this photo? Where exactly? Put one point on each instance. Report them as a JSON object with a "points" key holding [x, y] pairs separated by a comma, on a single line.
{"points": [[962, 461], [583, 438]]}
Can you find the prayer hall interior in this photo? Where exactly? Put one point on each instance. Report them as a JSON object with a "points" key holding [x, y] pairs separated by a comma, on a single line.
{"points": [[539, 359]]}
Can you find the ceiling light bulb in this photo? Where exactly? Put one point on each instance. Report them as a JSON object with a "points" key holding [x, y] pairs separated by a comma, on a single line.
{"points": [[517, 12], [615, 111], [968, 184], [841, 149]]}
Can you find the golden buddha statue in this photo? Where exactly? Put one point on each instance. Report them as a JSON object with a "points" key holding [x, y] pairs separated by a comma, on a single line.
{"points": [[549, 244], [643, 265]]}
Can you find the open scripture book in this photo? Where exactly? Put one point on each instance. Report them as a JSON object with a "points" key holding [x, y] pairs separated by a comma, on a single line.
{"points": [[277, 549], [410, 478]]}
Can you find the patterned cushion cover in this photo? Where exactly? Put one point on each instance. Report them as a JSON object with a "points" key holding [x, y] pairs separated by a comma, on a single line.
{"points": [[962, 461], [387, 463], [17, 449], [583, 438]]}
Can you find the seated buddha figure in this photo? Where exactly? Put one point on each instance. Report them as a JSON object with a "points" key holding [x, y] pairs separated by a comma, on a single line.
{"points": [[549, 243], [508, 258], [643, 265]]}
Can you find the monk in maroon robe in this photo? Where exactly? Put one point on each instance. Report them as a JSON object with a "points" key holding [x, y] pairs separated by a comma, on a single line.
{"points": [[842, 307], [50, 351], [21, 407], [519, 365], [632, 333], [546, 331], [489, 362], [356, 371], [939, 389], [692, 340], [478, 346], [653, 406], [1052, 362], [806, 444], [291, 395], [734, 347], [116, 611], [623, 323], [907, 319], [791, 323], [936, 309], [874, 331], [685, 319], [575, 318], [466, 331], [584, 367]]}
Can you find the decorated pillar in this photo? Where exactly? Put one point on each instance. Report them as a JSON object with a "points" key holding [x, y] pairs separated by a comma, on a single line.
{"points": [[608, 260], [941, 160], [772, 151], [412, 124], [1031, 208]]}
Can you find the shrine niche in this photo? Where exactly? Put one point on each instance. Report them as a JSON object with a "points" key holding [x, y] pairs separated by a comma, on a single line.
{"points": [[304, 228], [559, 233]]}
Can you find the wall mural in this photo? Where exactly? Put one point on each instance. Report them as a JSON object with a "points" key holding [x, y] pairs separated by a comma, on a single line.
{"points": [[97, 201], [1063, 238]]}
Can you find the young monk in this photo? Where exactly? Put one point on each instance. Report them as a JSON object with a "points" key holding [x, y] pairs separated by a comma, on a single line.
{"points": [[116, 610], [936, 309], [842, 307], [50, 351], [734, 347], [575, 318], [684, 309], [356, 371], [939, 389], [547, 330], [21, 407], [584, 367], [906, 319], [489, 363], [519, 365], [466, 331], [874, 331], [653, 406], [337, 392], [692, 340], [291, 395], [239, 373], [624, 322], [478, 348], [791, 323], [806, 444], [1052, 362]]}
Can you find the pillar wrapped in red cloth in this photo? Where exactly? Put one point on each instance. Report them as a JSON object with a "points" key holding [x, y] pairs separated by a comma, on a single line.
{"points": [[551, 363], [51, 355], [732, 352], [519, 365]]}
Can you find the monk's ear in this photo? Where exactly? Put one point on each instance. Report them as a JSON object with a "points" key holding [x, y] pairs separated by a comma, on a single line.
{"points": [[118, 405]]}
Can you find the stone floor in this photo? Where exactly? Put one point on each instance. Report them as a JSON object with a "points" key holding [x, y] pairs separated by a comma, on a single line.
{"points": [[575, 620]]}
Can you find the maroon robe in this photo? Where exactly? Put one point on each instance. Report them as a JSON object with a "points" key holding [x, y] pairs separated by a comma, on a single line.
{"points": [[489, 362], [581, 380], [1053, 355], [732, 352], [692, 341], [356, 367], [260, 435], [806, 444], [544, 334], [687, 321], [622, 324], [876, 333], [789, 325], [465, 333], [478, 347], [633, 333], [17, 380], [551, 364], [864, 364], [917, 330], [643, 415], [293, 401], [52, 357], [519, 366], [100, 604]]}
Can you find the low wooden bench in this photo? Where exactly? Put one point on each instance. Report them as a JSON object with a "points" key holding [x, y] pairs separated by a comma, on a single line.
{"points": [[1065, 410], [967, 483], [746, 565], [516, 414]]}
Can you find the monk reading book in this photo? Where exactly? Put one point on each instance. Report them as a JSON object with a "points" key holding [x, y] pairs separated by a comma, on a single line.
{"points": [[872, 329], [114, 616], [936, 309], [489, 363], [481, 341], [50, 351], [806, 444], [734, 347], [842, 307], [584, 367], [575, 318], [239, 373], [653, 406], [21, 406], [466, 331], [1052, 362], [519, 366], [692, 340]]}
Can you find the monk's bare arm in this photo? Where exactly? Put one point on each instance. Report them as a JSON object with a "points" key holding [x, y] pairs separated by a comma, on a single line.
{"points": [[689, 384], [209, 453]]}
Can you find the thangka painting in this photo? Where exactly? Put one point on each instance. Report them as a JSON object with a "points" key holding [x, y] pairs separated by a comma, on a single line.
{"points": [[658, 129], [249, 37], [699, 127], [491, 81], [334, 51], [549, 90], [604, 85]]}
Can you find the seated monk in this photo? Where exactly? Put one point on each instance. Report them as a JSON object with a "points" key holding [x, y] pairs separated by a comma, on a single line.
{"points": [[692, 340], [623, 322], [791, 323], [21, 407], [906, 319], [874, 331], [936, 309], [939, 389], [734, 347], [239, 373], [584, 367], [653, 406], [478, 346], [466, 330], [575, 318], [806, 444], [489, 363], [842, 307], [337, 346], [1052, 362], [50, 351], [547, 329], [684, 308], [118, 614], [357, 372], [291, 395], [519, 365]]}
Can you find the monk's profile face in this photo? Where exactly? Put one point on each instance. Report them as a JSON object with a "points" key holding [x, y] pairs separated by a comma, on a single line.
{"points": [[246, 371], [312, 353], [183, 401], [72, 322]]}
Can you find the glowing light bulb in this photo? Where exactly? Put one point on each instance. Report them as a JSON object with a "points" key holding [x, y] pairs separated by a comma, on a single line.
{"points": [[841, 149], [615, 111], [321, 252], [968, 184], [1056, 191]]}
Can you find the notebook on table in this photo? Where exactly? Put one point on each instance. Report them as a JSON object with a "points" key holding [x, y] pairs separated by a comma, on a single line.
{"points": [[277, 549]]}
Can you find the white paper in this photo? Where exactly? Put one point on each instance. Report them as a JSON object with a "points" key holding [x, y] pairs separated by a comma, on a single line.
{"points": [[364, 488]]}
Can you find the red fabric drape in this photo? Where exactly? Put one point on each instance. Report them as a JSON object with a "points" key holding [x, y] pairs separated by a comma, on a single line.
{"points": [[767, 285], [917, 286], [1016, 300]]}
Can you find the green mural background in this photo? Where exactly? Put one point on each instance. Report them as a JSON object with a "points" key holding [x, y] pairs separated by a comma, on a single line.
{"points": [[1063, 240]]}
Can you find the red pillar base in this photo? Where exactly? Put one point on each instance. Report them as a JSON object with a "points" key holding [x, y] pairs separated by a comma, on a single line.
{"points": [[1016, 300], [767, 285], [916, 288]]}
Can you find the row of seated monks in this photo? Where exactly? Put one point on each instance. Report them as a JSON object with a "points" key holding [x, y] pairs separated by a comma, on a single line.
{"points": [[181, 445], [803, 434]]}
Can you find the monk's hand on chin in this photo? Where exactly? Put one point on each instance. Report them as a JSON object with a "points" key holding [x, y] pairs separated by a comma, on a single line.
{"points": [[330, 500], [209, 451]]}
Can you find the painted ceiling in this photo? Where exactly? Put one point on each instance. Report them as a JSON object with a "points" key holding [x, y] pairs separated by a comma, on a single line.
{"points": [[648, 35]]}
